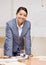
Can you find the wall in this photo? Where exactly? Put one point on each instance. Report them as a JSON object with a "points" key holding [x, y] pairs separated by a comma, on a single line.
{"points": [[5, 15], [39, 18]]}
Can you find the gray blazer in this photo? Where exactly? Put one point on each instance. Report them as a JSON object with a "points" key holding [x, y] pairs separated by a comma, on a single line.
{"points": [[13, 41]]}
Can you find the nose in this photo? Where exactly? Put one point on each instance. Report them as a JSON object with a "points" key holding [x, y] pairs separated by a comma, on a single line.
{"points": [[22, 16]]}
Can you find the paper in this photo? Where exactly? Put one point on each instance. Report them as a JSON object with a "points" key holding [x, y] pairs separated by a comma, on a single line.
{"points": [[11, 61]]}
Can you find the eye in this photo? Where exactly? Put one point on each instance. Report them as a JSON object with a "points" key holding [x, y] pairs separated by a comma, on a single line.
{"points": [[25, 15], [20, 14]]}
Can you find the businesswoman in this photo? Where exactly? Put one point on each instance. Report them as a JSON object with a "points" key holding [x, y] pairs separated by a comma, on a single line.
{"points": [[18, 35]]}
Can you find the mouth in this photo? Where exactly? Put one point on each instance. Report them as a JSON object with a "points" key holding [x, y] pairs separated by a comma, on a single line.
{"points": [[21, 19]]}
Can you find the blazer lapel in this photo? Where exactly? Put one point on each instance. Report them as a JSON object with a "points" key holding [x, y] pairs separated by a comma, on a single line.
{"points": [[15, 28], [24, 29]]}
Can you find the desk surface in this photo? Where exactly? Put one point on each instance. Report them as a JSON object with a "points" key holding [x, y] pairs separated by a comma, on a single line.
{"points": [[18, 60], [38, 61]]}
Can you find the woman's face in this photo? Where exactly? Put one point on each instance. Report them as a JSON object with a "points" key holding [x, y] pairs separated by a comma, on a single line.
{"points": [[21, 16]]}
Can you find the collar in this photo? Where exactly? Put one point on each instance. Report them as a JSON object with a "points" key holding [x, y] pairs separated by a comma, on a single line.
{"points": [[18, 25]]}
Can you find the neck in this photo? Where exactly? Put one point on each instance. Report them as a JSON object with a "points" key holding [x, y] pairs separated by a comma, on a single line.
{"points": [[19, 24]]}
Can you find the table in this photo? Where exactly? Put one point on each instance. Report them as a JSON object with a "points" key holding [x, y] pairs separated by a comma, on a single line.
{"points": [[38, 60], [35, 60]]}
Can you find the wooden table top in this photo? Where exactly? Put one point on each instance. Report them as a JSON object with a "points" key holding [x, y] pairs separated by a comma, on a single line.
{"points": [[31, 61]]}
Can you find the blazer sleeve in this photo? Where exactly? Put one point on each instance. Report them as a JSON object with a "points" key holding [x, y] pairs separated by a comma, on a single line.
{"points": [[8, 42], [28, 41]]}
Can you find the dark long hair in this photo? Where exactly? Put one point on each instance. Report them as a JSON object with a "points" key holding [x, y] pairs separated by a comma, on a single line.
{"points": [[22, 8]]}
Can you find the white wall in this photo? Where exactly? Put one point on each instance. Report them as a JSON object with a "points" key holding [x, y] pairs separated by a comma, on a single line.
{"points": [[5, 14], [38, 18], [5, 11]]}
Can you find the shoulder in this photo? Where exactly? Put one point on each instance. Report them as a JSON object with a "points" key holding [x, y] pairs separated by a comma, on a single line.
{"points": [[28, 23], [11, 22]]}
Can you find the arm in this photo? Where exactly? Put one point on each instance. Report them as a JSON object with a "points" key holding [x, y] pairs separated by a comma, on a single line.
{"points": [[28, 42], [8, 42]]}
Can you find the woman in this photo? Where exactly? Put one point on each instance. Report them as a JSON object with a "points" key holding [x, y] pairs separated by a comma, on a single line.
{"points": [[18, 35]]}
